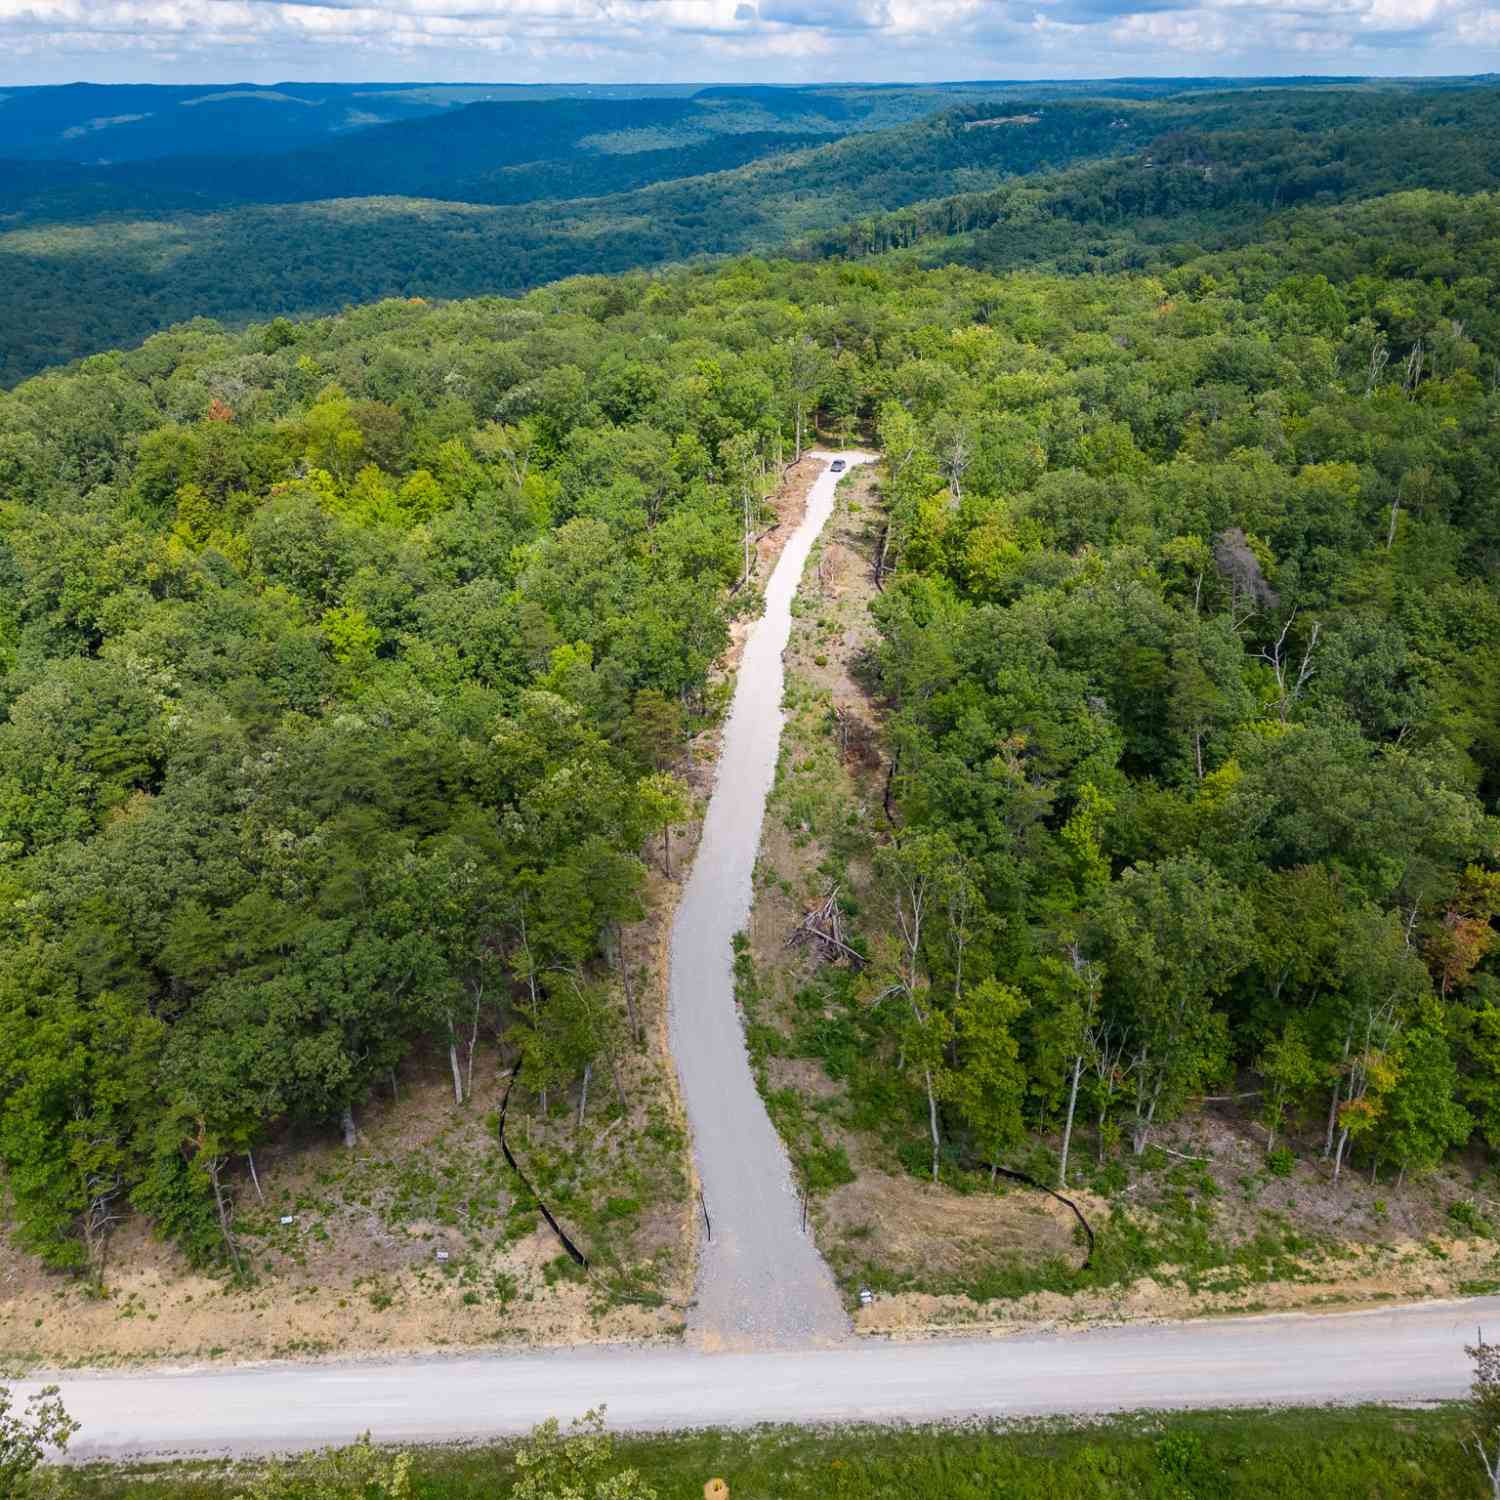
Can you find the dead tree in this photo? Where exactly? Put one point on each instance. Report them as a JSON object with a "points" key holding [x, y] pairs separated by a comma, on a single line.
{"points": [[822, 929], [1248, 589], [1380, 355], [1276, 658], [1484, 1441]]}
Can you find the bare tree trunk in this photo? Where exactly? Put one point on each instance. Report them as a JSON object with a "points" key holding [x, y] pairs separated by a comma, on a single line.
{"points": [[229, 1244], [583, 1098], [666, 850], [250, 1157], [1140, 1131], [635, 1025], [932, 1121], [473, 1042], [1333, 1104], [747, 535], [1062, 1168], [458, 1077], [351, 1136], [96, 1221], [1338, 1159], [395, 1090]]}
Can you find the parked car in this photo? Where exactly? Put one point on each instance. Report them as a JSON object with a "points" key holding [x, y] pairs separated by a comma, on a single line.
{"points": [[838, 466]]}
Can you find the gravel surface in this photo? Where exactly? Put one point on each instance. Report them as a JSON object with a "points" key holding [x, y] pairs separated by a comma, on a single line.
{"points": [[1388, 1355], [761, 1282]]}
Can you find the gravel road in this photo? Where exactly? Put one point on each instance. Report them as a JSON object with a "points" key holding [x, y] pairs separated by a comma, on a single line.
{"points": [[1386, 1355], [761, 1281]]}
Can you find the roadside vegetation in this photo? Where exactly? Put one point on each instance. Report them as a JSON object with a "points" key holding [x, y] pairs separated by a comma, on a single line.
{"points": [[344, 733], [1207, 1222], [1343, 1454]]}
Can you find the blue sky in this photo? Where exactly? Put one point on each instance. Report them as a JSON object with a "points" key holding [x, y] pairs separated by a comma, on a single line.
{"points": [[785, 41]]}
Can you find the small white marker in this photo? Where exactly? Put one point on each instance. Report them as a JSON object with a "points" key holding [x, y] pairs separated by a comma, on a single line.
{"points": [[289, 1218]]}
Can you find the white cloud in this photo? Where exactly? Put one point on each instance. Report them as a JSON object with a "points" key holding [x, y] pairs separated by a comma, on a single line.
{"points": [[787, 41]]}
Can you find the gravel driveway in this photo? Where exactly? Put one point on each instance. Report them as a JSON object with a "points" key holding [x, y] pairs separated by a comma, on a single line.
{"points": [[761, 1281]]}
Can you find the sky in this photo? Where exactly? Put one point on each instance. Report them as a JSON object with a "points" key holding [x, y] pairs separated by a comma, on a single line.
{"points": [[771, 41]]}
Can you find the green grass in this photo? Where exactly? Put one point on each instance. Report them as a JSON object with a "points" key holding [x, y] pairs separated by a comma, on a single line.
{"points": [[1371, 1453]]}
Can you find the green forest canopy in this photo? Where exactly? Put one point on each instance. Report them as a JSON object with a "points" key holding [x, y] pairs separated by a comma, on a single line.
{"points": [[339, 659], [97, 258]]}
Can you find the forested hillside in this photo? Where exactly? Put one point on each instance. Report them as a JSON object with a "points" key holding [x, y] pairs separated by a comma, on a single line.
{"points": [[72, 288], [342, 663], [1190, 656], [125, 122], [506, 196], [341, 666], [1212, 172]]}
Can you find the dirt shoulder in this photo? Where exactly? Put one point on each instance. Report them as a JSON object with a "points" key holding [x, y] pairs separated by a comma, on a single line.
{"points": [[357, 1271], [1199, 1225]]}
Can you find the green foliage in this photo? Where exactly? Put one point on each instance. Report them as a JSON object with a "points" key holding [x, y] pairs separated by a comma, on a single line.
{"points": [[575, 1466], [339, 724], [503, 196], [347, 669], [1280, 1162], [1342, 1453], [25, 1438], [359, 1472]]}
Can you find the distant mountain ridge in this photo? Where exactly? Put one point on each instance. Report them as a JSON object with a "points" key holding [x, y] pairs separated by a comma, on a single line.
{"points": [[497, 197]]}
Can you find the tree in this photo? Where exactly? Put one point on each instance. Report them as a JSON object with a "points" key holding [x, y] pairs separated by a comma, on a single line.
{"points": [[576, 1465], [1423, 1119], [1073, 1035], [914, 475], [665, 801], [1289, 1069], [1382, 985], [921, 876], [26, 1436], [742, 478], [988, 1084], [653, 732], [1172, 936], [807, 366], [76, 1080], [1484, 1437], [360, 1471]]}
